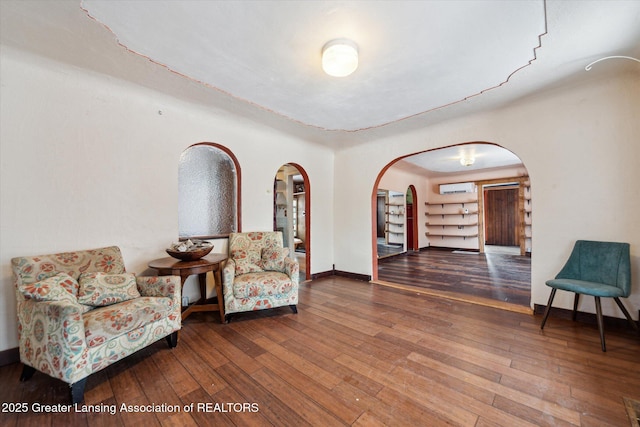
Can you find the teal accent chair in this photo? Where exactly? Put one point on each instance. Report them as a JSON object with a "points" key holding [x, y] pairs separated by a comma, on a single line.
{"points": [[599, 269]]}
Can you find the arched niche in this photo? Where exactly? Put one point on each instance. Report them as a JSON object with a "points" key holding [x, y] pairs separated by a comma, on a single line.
{"points": [[208, 192]]}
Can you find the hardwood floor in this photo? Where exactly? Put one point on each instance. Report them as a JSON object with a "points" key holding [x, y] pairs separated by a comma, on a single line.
{"points": [[357, 354], [495, 276]]}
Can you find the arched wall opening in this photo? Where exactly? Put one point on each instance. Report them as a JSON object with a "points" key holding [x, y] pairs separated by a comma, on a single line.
{"points": [[292, 212], [412, 219], [456, 220]]}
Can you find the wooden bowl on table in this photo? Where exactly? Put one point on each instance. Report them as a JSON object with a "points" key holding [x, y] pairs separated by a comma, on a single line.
{"points": [[190, 255]]}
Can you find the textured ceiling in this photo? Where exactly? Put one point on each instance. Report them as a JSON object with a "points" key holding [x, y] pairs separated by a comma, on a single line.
{"points": [[421, 62], [414, 56]]}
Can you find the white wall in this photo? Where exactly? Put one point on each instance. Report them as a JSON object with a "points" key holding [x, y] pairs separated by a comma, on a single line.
{"points": [[88, 161], [580, 146]]}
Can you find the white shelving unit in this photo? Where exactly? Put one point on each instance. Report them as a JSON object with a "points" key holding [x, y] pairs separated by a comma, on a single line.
{"points": [[457, 220], [395, 219]]}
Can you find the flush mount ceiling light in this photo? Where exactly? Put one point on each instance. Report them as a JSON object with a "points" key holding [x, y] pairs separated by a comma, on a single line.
{"points": [[467, 161], [340, 57]]}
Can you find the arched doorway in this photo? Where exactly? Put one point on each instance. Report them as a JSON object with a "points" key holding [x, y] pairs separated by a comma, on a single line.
{"points": [[452, 183], [292, 213], [412, 219]]}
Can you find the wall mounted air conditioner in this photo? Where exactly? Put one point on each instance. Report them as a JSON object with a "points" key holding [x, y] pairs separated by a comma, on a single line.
{"points": [[462, 187]]}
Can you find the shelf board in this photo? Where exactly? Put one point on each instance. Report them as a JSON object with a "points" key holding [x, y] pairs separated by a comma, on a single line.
{"points": [[471, 224], [470, 202], [443, 235], [454, 213]]}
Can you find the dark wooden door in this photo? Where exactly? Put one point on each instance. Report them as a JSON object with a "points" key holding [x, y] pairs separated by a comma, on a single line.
{"points": [[381, 212], [409, 227], [501, 217]]}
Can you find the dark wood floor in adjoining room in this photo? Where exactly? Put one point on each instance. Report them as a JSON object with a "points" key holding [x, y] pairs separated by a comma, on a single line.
{"points": [[364, 355], [497, 276]]}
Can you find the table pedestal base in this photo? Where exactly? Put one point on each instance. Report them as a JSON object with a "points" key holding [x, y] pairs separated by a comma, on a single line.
{"points": [[211, 263]]}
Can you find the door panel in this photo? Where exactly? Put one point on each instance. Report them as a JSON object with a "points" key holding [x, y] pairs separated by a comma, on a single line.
{"points": [[501, 216], [380, 216], [409, 227]]}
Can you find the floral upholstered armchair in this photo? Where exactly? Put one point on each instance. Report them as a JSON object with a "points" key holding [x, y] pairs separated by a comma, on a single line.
{"points": [[259, 273], [79, 312]]}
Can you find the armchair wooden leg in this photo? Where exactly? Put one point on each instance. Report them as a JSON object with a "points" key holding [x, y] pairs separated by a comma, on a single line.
{"points": [[27, 372], [600, 323], [626, 314], [576, 299], [77, 390], [548, 309], [294, 308]]}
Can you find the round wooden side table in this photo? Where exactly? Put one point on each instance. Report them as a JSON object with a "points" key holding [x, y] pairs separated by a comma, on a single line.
{"points": [[211, 263]]}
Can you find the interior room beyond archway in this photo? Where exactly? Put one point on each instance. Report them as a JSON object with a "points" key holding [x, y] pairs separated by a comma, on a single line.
{"points": [[472, 224]]}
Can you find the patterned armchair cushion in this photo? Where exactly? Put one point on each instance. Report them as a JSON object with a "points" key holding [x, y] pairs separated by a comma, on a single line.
{"points": [[60, 287], [266, 283], [101, 289], [246, 261], [273, 259], [107, 323]]}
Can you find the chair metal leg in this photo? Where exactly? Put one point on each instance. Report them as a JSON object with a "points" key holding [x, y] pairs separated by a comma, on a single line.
{"points": [[626, 314], [576, 299], [600, 323], [548, 309]]}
